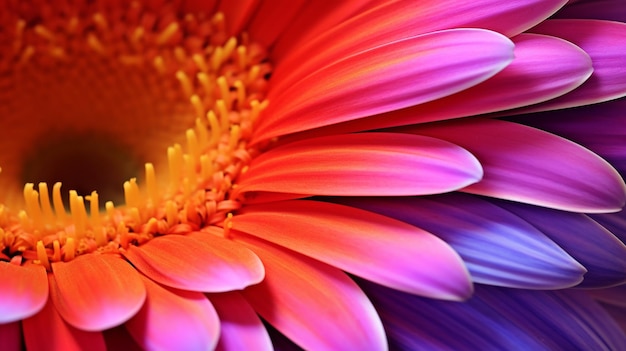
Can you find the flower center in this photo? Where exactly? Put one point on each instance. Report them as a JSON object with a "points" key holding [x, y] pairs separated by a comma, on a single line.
{"points": [[89, 94]]}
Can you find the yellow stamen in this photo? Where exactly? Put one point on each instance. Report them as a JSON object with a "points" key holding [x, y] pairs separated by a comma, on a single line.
{"points": [[151, 182], [167, 33], [42, 256]]}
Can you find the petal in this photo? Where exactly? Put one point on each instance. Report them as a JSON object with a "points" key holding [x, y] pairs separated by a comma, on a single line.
{"points": [[48, 331], [589, 243], [95, 292], [374, 247], [613, 296], [613, 10], [528, 165], [315, 305], [498, 247], [118, 338], [362, 164], [11, 337], [271, 18], [604, 41], [385, 78], [24, 291], [599, 127], [201, 262], [389, 21], [241, 328], [174, 320], [497, 319], [237, 13]]}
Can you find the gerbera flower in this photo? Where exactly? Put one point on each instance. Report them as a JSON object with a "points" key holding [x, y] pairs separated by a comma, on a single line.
{"points": [[324, 164]]}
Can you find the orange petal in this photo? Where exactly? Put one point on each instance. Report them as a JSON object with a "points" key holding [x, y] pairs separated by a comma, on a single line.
{"points": [[48, 331], [96, 292], [24, 291], [197, 262], [174, 320], [241, 328]]}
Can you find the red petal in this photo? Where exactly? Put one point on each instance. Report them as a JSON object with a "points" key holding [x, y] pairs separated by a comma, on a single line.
{"points": [[363, 164], [48, 331], [96, 292], [11, 337], [198, 262], [372, 246], [24, 291], [317, 306], [174, 320], [241, 328]]}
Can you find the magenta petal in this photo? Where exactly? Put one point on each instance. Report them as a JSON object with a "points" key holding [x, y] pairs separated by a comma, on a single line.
{"points": [[174, 320], [95, 292], [198, 262], [241, 328], [48, 331], [532, 166], [385, 78], [315, 305], [613, 10], [24, 291], [363, 243], [11, 337], [362, 164], [605, 42]]}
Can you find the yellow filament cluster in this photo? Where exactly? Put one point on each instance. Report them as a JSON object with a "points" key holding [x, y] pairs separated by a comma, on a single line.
{"points": [[223, 85]]}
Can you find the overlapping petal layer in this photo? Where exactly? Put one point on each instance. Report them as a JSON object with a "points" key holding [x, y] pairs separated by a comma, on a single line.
{"points": [[363, 164], [109, 292], [392, 76], [240, 327], [174, 319], [589, 243], [546, 170], [314, 304], [497, 318], [498, 247], [372, 246], [48, 331], [213, 265]]}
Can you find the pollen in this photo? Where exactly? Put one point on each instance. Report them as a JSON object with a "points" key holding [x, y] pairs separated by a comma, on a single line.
{"points": [[115, 85]]}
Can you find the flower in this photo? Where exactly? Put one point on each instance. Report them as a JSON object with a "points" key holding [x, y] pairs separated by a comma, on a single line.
{"points": [[335, 171]]}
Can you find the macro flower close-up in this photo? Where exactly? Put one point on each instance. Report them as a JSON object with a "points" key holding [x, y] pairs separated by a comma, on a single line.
{"points": [[318, 175]]}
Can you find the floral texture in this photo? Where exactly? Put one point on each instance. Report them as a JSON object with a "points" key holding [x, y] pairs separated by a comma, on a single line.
{"points": [[259, 174]]}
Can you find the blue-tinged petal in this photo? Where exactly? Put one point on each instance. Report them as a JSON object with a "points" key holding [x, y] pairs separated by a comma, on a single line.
{"points": [[498, 247], [588, 242], [497, 319]]}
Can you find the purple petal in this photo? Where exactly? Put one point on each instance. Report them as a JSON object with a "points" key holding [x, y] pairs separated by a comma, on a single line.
{"points": [[588, 242], [497, 319], [498, 247], [613, 10], [529, 165]]}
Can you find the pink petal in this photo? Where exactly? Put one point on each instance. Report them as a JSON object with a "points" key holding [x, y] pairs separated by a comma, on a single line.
{"points": [[388, 21], [532, 166], [174, 320], [315, 305], [241, 328], [24, 291], [48, 331], [362, 164], [11, 337], [604, 41], [532, 73], [95, 292], [372, 246], [385, 78], [201, 262]]}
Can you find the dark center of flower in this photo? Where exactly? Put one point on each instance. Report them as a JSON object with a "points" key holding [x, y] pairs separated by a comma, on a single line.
{"points": [[89, 94]]}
